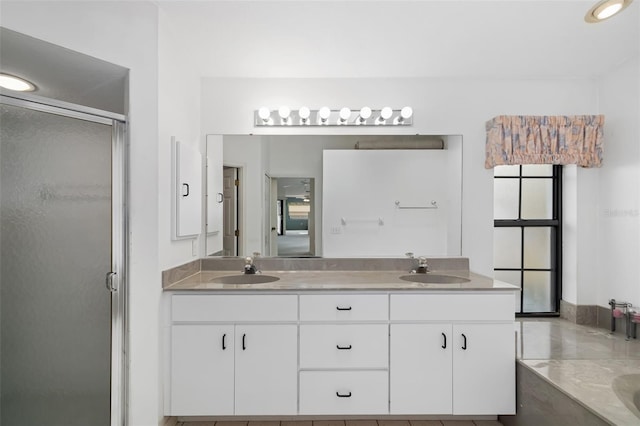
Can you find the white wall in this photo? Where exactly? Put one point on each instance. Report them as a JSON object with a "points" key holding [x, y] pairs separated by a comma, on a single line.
{"points": [[618, 204], [126, 34], [360, 189], [441, 106], [179, 116]]}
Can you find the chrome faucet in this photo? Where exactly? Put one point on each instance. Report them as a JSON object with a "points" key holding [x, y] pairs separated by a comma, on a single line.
{"points": [[249, 267], [423, 267]]}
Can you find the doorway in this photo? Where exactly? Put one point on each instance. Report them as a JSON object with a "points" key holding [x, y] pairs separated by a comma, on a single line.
{"points": [[295, 218], [62, 245], [231, 211]]}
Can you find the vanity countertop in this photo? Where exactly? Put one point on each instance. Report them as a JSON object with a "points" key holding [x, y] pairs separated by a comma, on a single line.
{"points": [[310, 280]]}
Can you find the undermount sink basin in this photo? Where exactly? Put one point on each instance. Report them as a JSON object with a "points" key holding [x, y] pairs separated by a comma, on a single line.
{"points": [[245, 279], [434, 279]]}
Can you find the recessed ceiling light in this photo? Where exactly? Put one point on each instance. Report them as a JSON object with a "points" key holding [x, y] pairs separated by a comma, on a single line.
{"points": [[12, 82], [605, 9]]}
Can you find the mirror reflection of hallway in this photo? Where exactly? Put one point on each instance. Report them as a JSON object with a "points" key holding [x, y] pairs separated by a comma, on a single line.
{"points": [[295, 218]]}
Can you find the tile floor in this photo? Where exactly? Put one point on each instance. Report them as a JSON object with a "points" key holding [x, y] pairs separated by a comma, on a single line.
{"points": [[351, 423]]}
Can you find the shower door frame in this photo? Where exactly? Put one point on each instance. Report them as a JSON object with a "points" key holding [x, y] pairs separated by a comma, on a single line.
{"points": [[116, 284]]}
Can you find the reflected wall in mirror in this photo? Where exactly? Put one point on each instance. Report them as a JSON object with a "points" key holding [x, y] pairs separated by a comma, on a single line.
{"points": [[334, 195]]}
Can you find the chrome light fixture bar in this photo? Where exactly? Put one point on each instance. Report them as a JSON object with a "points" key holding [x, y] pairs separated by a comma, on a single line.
{"points": [[303, 116]]}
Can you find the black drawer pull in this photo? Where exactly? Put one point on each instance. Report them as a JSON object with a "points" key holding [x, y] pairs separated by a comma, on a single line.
{"points": [[343, 348], [244, 346], [346, 395], [464, 345], [224, 346], [444, 341], [343, 309]]}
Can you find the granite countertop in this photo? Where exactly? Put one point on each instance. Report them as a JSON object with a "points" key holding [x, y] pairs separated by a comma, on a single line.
{"points": [[309, 280]]}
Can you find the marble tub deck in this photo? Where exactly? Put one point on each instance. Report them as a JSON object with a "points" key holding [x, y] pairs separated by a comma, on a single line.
{"points": [[582, 362]]}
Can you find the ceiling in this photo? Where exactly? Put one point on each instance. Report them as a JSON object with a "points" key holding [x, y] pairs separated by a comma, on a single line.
{"points": [[349, 39], [400, 39], [63, 74]]}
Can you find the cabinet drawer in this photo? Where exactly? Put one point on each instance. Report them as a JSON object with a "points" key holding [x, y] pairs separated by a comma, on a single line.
{"points": [[344, 392], [230, 308], [344, 346], [452, 307], [344, 307]]}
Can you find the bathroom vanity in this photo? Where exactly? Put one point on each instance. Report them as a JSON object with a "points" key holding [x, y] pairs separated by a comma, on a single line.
{"points": [[339, 343]]}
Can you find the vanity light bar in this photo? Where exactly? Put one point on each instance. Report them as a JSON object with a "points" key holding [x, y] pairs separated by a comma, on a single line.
{"points": [[284, 116]]}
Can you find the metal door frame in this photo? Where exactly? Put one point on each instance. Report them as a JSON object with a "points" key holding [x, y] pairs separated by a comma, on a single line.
{"points": [[119, 230]]}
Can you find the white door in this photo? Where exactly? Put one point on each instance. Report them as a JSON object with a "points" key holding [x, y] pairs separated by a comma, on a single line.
{"points": [[420, 369], [201, 370], [230, 212], [483, 369], [266, 369]]}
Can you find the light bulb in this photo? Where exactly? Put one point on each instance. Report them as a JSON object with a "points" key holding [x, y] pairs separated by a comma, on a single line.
{"points": [[365, 113], [406, 112], [264, 113], [304, 113], [345, 113], [284, 112], [15, 83], [324, 114], [386, 113], [608, 10]]}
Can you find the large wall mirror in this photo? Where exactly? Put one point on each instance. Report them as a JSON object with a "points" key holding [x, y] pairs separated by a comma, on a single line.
{"points": [[333, 195]]}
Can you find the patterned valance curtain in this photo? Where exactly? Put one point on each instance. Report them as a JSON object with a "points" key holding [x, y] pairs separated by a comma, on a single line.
{"points": [[523, 139]]}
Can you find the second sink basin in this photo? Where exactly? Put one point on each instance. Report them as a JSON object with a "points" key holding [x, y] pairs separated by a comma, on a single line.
{"points": [[434, 279], [245, 279]]}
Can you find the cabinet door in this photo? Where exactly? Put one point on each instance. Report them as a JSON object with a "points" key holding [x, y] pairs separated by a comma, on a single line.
{"points": [[266, 369], [484, 369], [188, 195], [201, 370], [420, 369]]}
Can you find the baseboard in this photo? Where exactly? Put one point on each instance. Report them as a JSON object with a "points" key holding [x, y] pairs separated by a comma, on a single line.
{"points": [[579, 314], [169, 421]]}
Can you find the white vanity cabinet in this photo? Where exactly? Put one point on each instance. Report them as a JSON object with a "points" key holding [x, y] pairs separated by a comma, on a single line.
{"points": [[233, 355], [341, 353], [344, 354], [452, 354]]}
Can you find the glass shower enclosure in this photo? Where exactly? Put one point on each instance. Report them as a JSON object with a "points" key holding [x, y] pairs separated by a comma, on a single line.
{"points": [[61, 315]]}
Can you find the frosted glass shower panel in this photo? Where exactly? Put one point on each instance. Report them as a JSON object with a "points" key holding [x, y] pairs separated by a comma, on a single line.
{"points": [[507, 243], [55, 247]]}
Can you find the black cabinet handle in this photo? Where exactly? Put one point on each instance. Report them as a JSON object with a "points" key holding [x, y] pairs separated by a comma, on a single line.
{"points": [[187, 186], [244, 346], [444, 341], [345, 395], [224, 346], [343, 348], [343, 309], [464, 344]]}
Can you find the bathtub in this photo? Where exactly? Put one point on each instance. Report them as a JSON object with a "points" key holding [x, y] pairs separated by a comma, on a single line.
{"points": [[627, 388]]}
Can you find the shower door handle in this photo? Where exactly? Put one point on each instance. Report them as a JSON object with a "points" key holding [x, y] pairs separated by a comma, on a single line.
{"points": [[110, 282]]}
